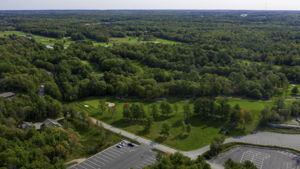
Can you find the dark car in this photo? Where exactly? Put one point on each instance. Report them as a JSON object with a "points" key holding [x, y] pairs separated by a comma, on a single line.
{"points": [[130, 145]]}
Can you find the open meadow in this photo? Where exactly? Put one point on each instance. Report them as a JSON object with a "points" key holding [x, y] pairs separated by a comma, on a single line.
{"points": [[202, 131]]}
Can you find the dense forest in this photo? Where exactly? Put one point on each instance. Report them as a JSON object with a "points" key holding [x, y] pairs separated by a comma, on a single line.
{"points": [[217, 53]]}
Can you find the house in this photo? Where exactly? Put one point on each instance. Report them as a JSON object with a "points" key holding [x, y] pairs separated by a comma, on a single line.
{"points": [[27, 125], [50, 123], [7, 95], [40, 125]]}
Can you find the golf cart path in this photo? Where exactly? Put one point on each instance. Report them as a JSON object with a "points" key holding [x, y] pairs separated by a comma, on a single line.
{"points": [[261, 138]]}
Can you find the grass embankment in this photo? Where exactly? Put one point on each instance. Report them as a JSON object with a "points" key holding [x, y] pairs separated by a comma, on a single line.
{"points": [[278, 130], [202, 133]]}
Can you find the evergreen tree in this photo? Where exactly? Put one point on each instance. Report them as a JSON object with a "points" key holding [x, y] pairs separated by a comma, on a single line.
{"points": [[295, 90], [187, 112], [166, 108], [165, 130], [154, 112]]}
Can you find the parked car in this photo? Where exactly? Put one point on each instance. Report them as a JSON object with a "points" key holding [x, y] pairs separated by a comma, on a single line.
{"points": [[120, 145], [130, 145]]}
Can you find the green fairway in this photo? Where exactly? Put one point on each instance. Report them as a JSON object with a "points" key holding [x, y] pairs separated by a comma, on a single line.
{"points": [[136, 40], [202, 131], [289, 90], [254, 106], [42, 39], [67, 40], [6, 33]]}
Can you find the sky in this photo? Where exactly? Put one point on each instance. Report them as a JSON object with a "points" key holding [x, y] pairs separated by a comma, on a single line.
{"points": [[150, 4]]}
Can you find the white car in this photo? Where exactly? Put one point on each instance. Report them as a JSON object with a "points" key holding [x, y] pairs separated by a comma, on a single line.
{"points": [[122, 144], [119, 145]]}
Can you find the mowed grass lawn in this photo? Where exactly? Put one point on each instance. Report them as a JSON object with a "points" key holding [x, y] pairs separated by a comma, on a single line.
{"points": [[67, 40], [134, 40], [202, 132], [42, 39], [253, 106], [289, 90]]}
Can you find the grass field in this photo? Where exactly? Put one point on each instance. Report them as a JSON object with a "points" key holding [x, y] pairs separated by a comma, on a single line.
{"points": [[254, 106], [135, 40], [202, 131], [67, 40], [42, 39], [289, 90]]}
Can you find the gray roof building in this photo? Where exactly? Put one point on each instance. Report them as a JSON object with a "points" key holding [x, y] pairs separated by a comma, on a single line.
{"points": [[7, 95], [50, 123], [27, 125]]}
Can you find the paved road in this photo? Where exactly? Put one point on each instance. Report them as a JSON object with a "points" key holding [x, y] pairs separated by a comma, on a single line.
{"points": [[135, 137], [261, 138]]}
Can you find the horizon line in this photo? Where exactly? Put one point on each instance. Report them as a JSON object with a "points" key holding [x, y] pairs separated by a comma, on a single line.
{"points": [[150, 10]]}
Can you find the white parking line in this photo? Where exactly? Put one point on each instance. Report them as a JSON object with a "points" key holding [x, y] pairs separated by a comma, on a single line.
{"points": [[116, 151], [256, 157], [145, 162], [108, 155], [100, 160], [81, 167], [95, 163], [87, 165], [92, 164], [94, 160], [76, 167], [107, 158], [124, 149], [113, 153]]}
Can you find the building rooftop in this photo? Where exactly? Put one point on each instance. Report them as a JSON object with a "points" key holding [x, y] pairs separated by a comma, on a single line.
{"points": [[7, 94], [51, 122]]}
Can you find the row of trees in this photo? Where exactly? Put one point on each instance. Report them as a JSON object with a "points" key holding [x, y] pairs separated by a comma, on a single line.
{"points": [[203, 108], [178, 161], [220, 110], [137, 111]]}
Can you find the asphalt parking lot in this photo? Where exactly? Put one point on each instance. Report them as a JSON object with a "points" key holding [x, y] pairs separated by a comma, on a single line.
{"points": [[263, 158], [269, 138], [126, 157]]}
